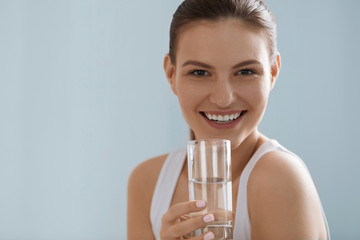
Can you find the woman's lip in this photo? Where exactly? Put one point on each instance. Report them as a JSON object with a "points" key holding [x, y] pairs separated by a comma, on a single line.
{"points": [[222, 112]]}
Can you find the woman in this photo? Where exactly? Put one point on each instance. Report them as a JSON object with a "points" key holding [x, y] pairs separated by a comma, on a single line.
{"points": [[222, 65]]}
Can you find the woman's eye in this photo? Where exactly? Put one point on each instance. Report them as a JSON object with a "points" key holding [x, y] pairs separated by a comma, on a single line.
{"points": [[245, 72], [200, 73]]}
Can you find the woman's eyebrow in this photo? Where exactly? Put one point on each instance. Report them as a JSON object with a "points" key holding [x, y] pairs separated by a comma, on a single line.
{"points": [[197, 63], [246, 63], [204, 65]]}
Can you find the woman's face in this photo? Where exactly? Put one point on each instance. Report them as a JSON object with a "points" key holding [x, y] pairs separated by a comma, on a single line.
{"points": [[222, 78]]}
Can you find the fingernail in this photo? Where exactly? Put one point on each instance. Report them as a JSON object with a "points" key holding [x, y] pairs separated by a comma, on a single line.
{"points": [[208, 236], [208, 218], [200, 203]]}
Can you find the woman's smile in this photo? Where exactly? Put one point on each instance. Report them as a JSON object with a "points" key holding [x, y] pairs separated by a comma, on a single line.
{"points": [[225, 119]]}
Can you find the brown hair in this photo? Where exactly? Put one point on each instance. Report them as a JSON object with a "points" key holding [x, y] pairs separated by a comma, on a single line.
{"points": [[254, 12]]}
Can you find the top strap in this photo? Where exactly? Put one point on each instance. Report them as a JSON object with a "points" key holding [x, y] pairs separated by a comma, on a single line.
{"points": [[165, 187]]}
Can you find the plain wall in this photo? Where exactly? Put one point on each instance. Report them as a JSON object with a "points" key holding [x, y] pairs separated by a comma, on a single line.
{"points": [[83, 100]]}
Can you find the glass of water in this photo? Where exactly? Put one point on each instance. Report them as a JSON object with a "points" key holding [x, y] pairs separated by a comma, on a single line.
{"points": [[209, 166]]}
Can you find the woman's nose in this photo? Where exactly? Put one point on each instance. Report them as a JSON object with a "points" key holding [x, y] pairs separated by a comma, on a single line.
{"points": [[222, 94]]}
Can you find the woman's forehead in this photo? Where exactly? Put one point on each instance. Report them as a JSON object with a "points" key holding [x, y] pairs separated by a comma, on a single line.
{"points": [[223, 39]]}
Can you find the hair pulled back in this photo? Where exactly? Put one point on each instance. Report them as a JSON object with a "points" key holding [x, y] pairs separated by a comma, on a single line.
{"points": [[254, 12]]}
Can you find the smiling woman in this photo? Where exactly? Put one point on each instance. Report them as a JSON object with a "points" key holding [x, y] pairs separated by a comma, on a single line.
{"points": [[222, 88], [222, 65]]}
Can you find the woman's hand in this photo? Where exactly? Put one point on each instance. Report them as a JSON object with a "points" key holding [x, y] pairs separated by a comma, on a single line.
{"points": [[172, 228]]}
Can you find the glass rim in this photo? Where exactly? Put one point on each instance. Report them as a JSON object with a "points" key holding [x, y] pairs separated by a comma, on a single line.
{"points": [[208, 140]]}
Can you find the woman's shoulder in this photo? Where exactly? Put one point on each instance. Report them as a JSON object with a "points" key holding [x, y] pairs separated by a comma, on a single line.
{"points": [[147, 172], [281, 172], [280, 168], [284, 163], [281, 190], [141, 185]]}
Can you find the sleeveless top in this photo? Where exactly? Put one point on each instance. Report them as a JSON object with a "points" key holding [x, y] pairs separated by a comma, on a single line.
{"points": [[169, 175]]}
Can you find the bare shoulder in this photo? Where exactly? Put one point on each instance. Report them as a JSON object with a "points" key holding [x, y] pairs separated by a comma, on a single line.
{"points": [[141, 186], [283, 201], [279, 168], [148, 170], [143, 178]]}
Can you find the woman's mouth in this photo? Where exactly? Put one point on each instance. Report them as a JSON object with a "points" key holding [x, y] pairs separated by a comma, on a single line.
{"points": [[223, 118]]}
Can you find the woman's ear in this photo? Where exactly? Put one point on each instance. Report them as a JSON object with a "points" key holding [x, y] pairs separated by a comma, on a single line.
{"points": [[169, 69], [275, 70]]}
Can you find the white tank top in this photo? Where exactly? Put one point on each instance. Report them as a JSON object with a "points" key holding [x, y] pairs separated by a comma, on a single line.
{"points": [[169, 175]]}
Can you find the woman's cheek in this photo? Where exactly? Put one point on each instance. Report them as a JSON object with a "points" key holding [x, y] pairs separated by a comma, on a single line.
{"points": [[256, 94]]}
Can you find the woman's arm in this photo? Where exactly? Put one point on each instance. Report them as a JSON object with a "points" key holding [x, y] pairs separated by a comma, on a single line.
{"points": [[282, 200], [141, 186]]}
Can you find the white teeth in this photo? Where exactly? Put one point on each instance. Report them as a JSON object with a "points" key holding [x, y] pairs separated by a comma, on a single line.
{"points": [[222, 118]]}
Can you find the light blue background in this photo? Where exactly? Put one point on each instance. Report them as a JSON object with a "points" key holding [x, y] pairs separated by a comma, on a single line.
{"points": [[83, 100]]}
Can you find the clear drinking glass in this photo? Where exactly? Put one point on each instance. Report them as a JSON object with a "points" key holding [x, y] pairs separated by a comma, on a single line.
{"points": [[209, 166]]}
